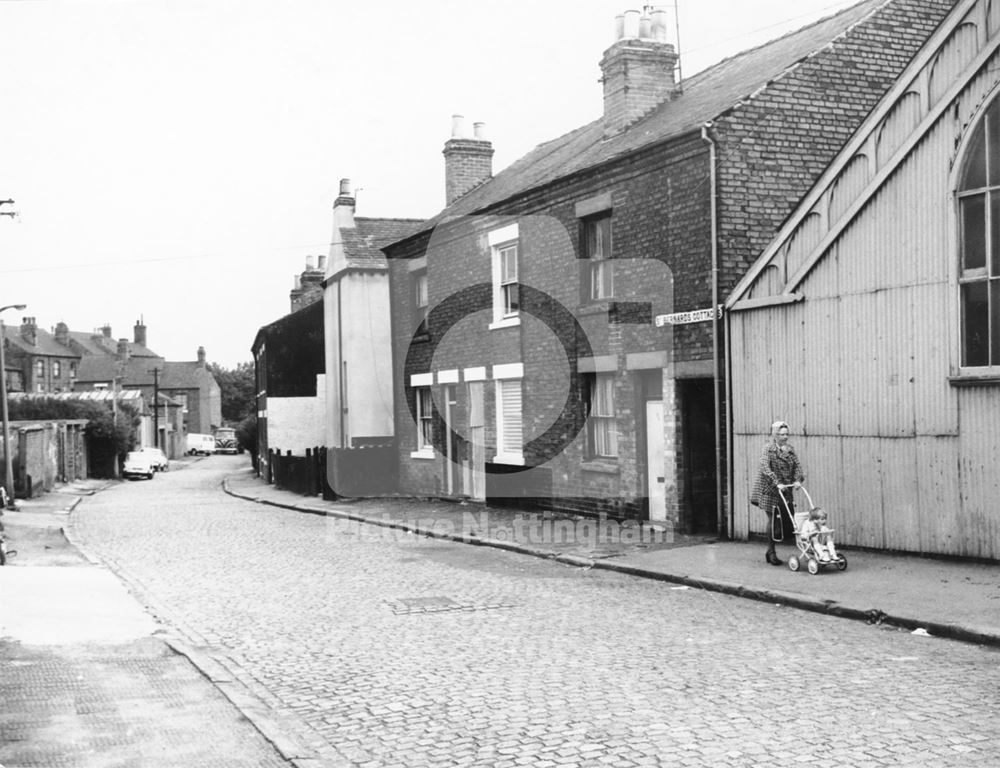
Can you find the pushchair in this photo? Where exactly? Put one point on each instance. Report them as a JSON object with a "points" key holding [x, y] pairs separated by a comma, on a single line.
{"points": [[807, 551]]}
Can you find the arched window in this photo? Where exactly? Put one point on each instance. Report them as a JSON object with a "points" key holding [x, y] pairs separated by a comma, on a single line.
{"points": [[979, 252]]}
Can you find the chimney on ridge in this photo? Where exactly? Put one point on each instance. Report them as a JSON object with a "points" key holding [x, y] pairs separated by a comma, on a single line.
{"points": [[638, 68], [343, 207], [62, 333], [123, 354], [139, 332], [29, 330], [467, 162], [201, 356]]}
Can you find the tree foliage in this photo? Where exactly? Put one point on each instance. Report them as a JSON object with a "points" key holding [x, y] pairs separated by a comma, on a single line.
{"points": [[238, 386], [101, 422]]}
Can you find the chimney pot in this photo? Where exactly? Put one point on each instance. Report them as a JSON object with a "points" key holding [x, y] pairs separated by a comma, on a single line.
{"points": [[479, 131], [619, 27], [457, 127], [658, 24], [321, 262], [310, 264], [645, 27], [345, 187], [631, 25]]}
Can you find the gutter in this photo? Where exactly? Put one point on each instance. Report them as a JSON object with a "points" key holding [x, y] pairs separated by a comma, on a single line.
{"points": [[720, 517]]}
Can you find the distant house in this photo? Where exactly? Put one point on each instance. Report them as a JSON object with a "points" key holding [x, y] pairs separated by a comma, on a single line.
{"points": [[357, 332], [38, 361], [289, 365], [107, 364], [324, 371]]}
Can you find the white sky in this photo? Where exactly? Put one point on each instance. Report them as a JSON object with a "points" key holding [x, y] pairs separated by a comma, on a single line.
{"points": [[178, 159]]}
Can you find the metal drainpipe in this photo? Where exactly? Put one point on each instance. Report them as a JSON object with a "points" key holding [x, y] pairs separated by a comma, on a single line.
{"points": [[719, 510]]}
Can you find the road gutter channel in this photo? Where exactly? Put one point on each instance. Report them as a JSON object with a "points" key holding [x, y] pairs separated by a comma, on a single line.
{"points": [[789, 599]]}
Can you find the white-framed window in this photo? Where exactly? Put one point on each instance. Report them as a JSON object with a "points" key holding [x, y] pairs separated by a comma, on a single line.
{"points": [[599, 274], [421, 300], [510, 303], [510, 431], [979, 252], [56, 369], [424, 402], [602, 430], [505, 257], [40, 369]]}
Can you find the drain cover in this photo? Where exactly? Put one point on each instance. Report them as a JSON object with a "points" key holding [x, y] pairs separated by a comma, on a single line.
{"points": [[439, 603]]}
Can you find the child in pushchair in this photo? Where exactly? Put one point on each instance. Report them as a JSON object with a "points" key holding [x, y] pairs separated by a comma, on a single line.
{"points": [[814, 540]]}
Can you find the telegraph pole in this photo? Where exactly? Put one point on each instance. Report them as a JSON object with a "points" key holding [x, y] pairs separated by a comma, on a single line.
{"points": [[156, 407]]}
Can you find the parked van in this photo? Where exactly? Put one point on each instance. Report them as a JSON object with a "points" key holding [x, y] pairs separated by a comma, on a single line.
{"points": [[203, 445]]}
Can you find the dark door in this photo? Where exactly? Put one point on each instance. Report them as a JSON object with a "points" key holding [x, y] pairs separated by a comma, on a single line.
{"points": [[698, 419]]}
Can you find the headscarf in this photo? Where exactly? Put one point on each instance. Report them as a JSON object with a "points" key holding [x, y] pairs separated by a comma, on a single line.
{"points": [[775, 427]]}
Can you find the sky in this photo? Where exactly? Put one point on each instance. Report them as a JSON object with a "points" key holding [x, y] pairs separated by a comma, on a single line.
{"points": [[176, 161]]}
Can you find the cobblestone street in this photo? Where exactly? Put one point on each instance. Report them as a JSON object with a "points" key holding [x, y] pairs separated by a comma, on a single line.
{"points": [[376, 647]]}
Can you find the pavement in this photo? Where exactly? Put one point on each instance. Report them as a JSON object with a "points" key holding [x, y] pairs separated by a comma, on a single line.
{"points": [[88, 678], [948, 598]]}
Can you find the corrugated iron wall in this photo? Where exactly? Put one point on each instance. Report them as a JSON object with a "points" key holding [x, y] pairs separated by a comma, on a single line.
{"points": [[901, 457]]}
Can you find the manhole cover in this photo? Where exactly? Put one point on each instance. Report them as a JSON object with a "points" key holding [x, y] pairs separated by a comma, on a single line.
{"points": [[438, 603]]}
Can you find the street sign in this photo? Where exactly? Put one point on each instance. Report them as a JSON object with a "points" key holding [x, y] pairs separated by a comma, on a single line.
{"points": [[683, 318]]}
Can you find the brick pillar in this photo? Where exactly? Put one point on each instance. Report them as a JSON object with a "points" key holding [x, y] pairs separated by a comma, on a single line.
{"points": [[673, 460]]}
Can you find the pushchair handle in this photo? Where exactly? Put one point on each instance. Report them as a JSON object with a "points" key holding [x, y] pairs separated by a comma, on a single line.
{"points": [[801, 488]]}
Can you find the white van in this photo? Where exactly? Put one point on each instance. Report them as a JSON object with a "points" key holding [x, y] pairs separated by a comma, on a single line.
{"points": [[200, 444]]}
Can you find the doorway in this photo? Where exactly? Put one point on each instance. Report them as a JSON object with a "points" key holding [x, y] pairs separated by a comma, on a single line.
{"points": [[474, 455], [698, 512]]}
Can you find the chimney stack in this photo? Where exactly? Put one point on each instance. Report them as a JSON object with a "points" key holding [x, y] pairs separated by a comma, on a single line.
{"points": [[29, 330], [343, 207], [106, 330], [467, 162], [139, 333], [123, 354], [201, 356], [62, 333], [638, 69]]}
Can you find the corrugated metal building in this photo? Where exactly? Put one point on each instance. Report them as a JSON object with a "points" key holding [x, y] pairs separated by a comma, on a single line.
{"points": [[872, 322]]}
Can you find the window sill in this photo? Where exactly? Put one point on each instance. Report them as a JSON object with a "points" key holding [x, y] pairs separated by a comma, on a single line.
{"points": [[423, 453], [509, 458], [506, 322], [975, 380], [603, 466]]}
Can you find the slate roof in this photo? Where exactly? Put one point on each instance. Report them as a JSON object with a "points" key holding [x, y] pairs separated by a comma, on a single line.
{"points": [[364, 242], [705, 96], [184, 375], [47, 344], [99, 344], [100, 368]]}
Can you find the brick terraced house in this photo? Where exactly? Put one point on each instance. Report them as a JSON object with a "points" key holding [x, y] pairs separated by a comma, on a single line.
{"points": [[555, 331]]}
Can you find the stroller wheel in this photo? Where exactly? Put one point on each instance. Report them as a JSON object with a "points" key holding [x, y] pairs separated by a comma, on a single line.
{"points": [[841, 563], [812, 565], [793, 563]]}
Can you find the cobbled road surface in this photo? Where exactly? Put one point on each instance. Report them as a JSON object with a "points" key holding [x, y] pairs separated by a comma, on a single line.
{"points": [[384, 649]]}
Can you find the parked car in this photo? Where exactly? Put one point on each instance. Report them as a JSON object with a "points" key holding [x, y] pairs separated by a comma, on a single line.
{"points": [[200, 444], [160, 461], [138, 464]]}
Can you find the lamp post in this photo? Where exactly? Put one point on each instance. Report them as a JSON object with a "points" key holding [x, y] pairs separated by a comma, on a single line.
{"points": [[8, 463]]}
